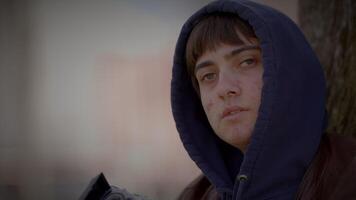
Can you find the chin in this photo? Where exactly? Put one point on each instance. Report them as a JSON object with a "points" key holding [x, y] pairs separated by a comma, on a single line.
{"points": [[236, 136]]}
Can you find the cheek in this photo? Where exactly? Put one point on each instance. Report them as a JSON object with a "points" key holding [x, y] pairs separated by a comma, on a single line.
{"points": [[255, 88], [207, 104], [210, 109]]}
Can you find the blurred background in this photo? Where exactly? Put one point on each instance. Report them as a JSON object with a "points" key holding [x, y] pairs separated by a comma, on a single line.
{"points": [[84, 89]]}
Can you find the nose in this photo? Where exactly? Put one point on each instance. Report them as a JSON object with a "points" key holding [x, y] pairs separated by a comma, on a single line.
{"points": [[228, 86]]}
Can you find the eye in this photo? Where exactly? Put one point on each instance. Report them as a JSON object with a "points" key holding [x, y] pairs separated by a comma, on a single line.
{"points": [[208, 77], [248, 62]]}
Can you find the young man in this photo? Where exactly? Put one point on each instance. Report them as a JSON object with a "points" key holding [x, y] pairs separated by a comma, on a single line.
{"points": [[248, 98]]}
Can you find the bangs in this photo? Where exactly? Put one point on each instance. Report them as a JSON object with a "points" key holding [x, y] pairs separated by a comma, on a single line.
{"points": [[212, 31]]}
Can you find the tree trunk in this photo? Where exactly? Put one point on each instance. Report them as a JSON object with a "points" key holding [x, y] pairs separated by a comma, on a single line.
{"points": [[330, 27]]}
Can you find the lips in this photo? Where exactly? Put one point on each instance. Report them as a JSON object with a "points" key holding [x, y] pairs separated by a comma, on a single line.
{"points": [[231, 111]]}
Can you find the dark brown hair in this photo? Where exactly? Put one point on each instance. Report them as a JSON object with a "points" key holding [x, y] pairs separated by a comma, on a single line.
{"points": [[210, 32]]}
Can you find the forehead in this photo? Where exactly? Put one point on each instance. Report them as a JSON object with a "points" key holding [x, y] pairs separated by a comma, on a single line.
{"points": [[243, 40], [227, 50]]}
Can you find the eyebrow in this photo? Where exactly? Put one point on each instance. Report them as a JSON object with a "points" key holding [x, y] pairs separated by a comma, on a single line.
{"points": [[227, 56]]}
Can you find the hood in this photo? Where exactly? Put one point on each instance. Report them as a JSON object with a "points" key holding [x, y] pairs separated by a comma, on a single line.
{"points": [[291, 116]]}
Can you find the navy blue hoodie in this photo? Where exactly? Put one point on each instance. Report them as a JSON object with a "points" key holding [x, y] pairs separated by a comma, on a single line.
{"points": [[291, 116]]}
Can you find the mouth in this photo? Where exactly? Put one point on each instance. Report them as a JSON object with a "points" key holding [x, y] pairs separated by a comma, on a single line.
{"points": [[232, 111]]}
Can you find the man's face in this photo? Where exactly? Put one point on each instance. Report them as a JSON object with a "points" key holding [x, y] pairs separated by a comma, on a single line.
{"points": [[230, 83]]}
